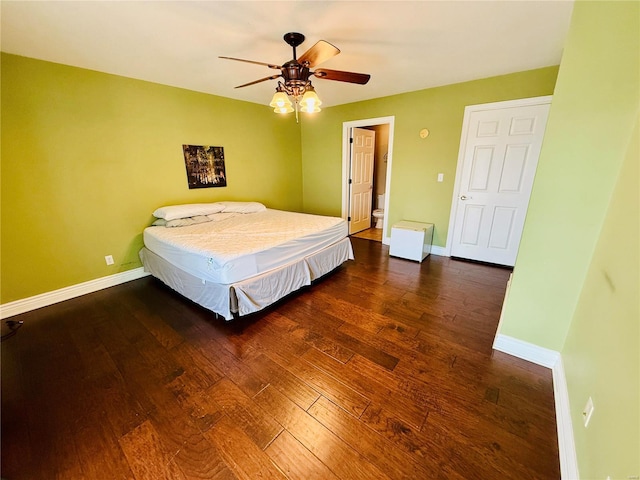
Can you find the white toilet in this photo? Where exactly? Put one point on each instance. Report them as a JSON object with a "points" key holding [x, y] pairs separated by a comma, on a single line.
{"points": [[378, 213]]}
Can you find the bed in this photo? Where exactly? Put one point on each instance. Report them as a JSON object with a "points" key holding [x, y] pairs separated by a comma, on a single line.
{"points": [[236, 258]]}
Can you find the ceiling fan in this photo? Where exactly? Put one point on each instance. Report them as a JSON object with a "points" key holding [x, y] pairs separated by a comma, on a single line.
{"points": [[296, 75]]}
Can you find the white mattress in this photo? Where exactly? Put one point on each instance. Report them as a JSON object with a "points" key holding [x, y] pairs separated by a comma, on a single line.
{"points": [[242, 246]]}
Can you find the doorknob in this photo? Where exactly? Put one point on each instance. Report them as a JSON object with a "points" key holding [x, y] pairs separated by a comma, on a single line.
{"points": [[463, 197]]}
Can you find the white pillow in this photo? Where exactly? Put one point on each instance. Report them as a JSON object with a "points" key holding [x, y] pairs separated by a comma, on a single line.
{"points": [[172, 212], [183, 222], [216, 217], [242, 207]]}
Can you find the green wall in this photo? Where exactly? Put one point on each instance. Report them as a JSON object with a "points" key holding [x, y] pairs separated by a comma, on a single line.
{"points": [[87, 157], [415, 193], [591, 118], [601, 354], [575, 287]]}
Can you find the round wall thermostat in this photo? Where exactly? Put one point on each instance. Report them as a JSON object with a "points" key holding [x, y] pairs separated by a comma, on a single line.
{"points": [[424, 133]]}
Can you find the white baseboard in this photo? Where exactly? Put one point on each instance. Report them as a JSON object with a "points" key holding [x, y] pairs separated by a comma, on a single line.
{"points": [[566, 443], [553, 360], [526, 351], [45, 299]]}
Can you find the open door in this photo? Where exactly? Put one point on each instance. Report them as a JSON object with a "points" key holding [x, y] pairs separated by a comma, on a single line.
{"points": [[361, 179]]}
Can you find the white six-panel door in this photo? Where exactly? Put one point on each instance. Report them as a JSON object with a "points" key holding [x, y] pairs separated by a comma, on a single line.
{"points": [[499, 155], [362, 156]]}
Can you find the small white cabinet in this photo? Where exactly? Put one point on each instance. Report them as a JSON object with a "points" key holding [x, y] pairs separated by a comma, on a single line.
{"points": [[411, 240]]}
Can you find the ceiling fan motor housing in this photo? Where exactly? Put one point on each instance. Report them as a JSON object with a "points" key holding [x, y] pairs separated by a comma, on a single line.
{"points": [[295, 73]]}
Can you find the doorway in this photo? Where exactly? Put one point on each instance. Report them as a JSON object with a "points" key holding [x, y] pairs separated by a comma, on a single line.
{"points": [[381, 183]]}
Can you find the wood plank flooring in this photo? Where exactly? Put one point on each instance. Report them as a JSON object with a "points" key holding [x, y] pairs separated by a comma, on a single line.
{"points": [[370, 234], [381, 370]]}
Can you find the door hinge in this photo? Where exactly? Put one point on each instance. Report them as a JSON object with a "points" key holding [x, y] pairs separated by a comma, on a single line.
{"points": [[348, 219], [351, 140], [350, 181]]}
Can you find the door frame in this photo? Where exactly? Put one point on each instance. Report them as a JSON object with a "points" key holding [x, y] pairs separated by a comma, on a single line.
{"points": [[346, 165], [468, 110]]}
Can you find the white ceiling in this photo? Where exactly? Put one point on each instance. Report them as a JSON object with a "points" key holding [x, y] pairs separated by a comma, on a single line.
{"points": [[404, 45]]}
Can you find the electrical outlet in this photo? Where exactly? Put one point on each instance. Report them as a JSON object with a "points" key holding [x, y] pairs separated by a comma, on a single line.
{"points": [[587, 411], [441, 177], [109, 259]]}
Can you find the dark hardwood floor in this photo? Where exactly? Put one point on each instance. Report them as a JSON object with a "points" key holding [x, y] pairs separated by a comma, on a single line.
{"points": [[381, 370]]}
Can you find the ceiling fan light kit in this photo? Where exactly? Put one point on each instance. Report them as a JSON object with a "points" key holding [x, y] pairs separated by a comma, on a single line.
{"points": [[296, 73], [310, 102], [281, 103]]}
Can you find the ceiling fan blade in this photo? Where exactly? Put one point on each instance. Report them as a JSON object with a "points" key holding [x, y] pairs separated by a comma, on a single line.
{"points": [[258, 81], [270, 65], [340, 76], [320, 52]]}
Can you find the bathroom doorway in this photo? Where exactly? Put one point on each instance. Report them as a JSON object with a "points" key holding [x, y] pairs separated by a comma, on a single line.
{"points": [[383, 127]]}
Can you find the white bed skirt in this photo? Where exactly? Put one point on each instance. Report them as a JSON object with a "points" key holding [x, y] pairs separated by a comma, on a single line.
{"points": [[255, 293]]}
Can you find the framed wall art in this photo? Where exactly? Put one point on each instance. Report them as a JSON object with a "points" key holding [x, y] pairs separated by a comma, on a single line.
{"points": [[205, 166]]}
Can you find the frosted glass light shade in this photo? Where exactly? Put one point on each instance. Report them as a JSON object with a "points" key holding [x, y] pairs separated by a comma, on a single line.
{"points": [[281, 103], [310, 102], [286, 109]]}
